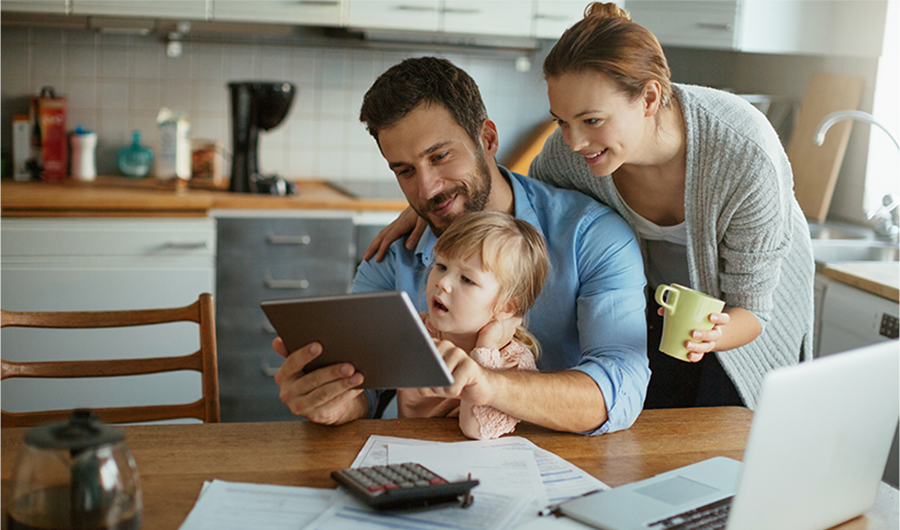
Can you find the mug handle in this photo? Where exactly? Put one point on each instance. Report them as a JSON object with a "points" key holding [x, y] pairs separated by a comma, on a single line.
{"points": [[661, 300]]}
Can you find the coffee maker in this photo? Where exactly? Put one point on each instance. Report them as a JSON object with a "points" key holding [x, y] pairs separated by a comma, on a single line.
{"points": [[255, 106]]}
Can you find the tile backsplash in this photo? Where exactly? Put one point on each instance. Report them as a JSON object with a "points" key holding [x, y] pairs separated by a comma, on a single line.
{"points": [[117, 83]]}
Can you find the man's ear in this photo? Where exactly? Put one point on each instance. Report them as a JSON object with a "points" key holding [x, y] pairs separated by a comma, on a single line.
{"points": [[490, 140], [651, 98]]}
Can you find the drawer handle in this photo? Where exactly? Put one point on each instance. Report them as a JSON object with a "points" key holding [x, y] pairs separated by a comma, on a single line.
{"points": [[187, 245], [408, 7], [288, 240], [460, 11], [268, 369], [717, 27], [287, 284], [547, 16]]}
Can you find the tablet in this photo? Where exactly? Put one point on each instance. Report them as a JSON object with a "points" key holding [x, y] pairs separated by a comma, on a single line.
{"points": [[381, 334]]}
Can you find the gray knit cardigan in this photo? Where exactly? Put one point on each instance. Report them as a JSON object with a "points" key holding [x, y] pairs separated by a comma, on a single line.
{"points": [[748, 240]]}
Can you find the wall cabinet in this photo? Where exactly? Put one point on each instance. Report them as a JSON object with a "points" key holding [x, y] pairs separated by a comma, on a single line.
{"points": [[263, 257], [838, 27], [553, 17], [411, 15], [505, 18], [311, 12], [180, 9], [88, 264], [59, 7]]}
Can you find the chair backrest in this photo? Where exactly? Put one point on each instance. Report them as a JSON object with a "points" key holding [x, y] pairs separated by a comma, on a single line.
{"points": [[203, 360]]}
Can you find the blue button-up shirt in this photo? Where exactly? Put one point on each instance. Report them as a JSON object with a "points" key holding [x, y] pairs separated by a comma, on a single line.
{"points": [[590, 313]]}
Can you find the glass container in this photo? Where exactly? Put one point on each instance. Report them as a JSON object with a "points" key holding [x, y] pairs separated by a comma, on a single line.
{"points": [[77, 474]]}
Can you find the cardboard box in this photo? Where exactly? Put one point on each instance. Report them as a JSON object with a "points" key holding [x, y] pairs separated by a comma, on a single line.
{"points": [[48, 115]]}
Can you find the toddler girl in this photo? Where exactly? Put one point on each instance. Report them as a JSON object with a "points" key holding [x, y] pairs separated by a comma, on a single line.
{"points": [[488, 268]]}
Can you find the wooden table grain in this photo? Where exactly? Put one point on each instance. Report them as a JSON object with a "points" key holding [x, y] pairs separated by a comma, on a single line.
{"points": [[175, 460]]}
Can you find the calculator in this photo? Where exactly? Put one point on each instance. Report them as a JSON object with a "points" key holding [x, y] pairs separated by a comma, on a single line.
{"points": [[400, 486]]}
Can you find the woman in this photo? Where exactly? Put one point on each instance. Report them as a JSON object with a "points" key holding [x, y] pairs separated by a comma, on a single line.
{"points": [[702, 178]]}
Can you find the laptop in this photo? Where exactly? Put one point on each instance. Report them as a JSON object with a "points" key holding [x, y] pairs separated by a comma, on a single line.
{"points": [[815, 456]]}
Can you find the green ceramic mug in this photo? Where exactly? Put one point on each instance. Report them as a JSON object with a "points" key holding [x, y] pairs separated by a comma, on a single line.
{"points": [[686, 310]]}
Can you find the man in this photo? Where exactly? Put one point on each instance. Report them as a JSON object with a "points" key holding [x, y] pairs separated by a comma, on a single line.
{"points": [[429, 121]]}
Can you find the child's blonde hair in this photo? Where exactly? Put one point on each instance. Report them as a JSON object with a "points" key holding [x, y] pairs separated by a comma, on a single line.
{"points": [[512, 250]]}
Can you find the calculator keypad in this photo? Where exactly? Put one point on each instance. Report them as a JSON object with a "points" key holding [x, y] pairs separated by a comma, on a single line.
{"points": [[400, 485]]}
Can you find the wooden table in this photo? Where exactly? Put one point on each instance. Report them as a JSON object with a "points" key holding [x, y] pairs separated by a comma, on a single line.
{"points": [[175, 460]]}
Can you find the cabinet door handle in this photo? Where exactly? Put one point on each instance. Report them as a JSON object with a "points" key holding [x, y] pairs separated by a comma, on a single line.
{"points": [[287, 284], [408, 7], [717, 27], [547, 16], [187, 245], [460, 11], [288, 240]]}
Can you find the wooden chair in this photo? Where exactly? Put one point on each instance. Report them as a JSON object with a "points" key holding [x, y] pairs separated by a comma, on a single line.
{"points": [[204, 361]]}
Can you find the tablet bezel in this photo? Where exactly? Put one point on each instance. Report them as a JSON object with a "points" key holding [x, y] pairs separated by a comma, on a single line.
{"points": [[380, 333]]}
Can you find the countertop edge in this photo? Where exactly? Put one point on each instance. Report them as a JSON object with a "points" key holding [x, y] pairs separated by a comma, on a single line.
{"points": [[863, 275]]}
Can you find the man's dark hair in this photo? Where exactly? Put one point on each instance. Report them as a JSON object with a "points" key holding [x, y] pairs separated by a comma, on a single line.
{"points": [[406, 85]]}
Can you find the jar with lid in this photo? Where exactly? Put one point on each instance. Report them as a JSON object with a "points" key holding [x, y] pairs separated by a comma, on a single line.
{"points": [[75, 474]]}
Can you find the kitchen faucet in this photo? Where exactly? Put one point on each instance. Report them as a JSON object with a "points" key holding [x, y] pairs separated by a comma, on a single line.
{"points": [[887, 217]]}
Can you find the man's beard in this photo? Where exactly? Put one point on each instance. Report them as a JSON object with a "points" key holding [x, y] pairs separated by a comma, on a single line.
{"points": [[477, 193]]}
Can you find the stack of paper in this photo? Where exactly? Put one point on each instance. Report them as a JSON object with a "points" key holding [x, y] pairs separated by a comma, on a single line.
{"points": [[517, 479]]}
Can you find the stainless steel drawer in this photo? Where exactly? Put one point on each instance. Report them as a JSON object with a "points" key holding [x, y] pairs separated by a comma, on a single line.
{"points": [[286, 238], [260, 259]]}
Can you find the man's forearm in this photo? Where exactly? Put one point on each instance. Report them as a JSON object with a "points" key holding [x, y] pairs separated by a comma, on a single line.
{"points": [[563, 401]]}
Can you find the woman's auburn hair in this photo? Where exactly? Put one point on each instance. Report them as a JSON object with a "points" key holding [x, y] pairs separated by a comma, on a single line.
{"points": [[608, 42]]}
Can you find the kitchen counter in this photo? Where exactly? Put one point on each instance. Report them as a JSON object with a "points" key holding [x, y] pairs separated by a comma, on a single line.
{"points": [[876, 277], [121, 197]]}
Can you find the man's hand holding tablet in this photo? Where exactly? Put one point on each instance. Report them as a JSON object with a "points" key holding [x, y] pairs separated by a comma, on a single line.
{"points": [[338, 345]]}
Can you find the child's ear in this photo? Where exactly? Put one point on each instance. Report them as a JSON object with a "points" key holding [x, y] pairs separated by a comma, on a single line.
{"points": [[507, 311]]}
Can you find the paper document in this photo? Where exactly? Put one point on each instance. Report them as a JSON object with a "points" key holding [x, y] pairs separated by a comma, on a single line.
{"points": [[517, 479], [489, 512], [238, 506]]}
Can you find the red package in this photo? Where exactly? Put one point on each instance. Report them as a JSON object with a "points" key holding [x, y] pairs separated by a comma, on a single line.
{"points": [[48, 114]]}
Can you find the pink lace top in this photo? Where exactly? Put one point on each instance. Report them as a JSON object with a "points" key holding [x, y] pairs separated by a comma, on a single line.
{"points": [[480, 422]]}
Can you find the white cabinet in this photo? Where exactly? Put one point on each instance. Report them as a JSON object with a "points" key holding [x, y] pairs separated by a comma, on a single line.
{"points": [[696, 24], [106, 264], [177, 9], [836, 27], [553, 17], [852, 318], [412, 15], [309, 12], [503, 18], [35, 6], [512, 18]]}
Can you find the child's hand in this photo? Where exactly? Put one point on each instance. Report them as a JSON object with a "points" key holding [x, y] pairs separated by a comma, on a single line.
{"points": [[497, 333]]}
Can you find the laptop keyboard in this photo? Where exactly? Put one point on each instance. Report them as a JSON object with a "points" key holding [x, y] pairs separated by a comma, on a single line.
{"points": [[709, 517]]}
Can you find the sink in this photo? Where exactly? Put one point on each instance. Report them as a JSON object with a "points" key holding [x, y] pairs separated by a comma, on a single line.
{"points": [[834, 251], [838, 231]]}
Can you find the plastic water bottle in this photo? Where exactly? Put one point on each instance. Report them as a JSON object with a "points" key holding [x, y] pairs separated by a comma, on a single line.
{"points": [[135, 160], [84, 159]]}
